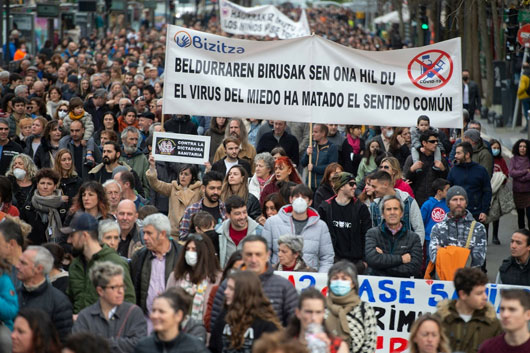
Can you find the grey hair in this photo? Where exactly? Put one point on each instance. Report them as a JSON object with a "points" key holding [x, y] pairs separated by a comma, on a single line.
{"points": [[159, 221], [42, 257], [131, 129], [20, 89], [93, 77], [29, 165], [267, 158], [349, 269], [4, 121], [139, 77], [102, 272], [243, 136], [110, 182], [4, 74], [296, 244], [152, 128], [391, 197], [106, 226]]}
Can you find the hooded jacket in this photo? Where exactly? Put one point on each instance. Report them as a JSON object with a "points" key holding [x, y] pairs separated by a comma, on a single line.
{"points": [[519, 166], [454, 231], [318, 249], [467, 336], [227, 246], [475, 180], [483, 156]]}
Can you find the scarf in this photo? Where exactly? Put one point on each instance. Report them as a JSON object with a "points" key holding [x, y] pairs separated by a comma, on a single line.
{"points": [[355, 144], [339, 307], [198, 292], [47, 209], [76, 117]]}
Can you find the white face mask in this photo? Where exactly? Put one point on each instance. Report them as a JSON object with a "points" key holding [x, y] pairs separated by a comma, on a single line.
{"points": [[61, 114], [389, 133], [299, 205], [20, 174], [191, 258]]}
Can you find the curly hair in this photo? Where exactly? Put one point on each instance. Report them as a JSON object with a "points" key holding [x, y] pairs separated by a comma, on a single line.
{"points": [[103, 203], [248, 304], [29, 166], [226, 190], [207, 266]]}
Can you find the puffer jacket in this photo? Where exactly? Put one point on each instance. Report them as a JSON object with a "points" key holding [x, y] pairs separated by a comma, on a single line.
{"points": [[512, 272], [318, 248], [8, 301], [412, 217], [80, 288], [519, 166], [86, 119], [183, 343], [454, 231], [179, 198], [390, 262], [280, 291], [227, 246], [475, 180], [467, 336]]}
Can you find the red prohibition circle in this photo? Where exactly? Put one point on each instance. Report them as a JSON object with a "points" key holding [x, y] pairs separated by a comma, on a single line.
{"points": [[430, 69]]}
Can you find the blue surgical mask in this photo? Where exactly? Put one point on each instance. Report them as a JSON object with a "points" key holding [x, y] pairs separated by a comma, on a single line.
{"points": [[495, 152], [340, 287]]}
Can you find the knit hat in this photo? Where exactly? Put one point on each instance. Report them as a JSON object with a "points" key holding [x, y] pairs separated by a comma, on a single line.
{"points": [[341, 179], [473, 135], [455, 191]]}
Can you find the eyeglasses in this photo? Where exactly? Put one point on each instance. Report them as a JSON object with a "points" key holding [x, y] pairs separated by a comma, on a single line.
{"points": [[114, 288], [432, 141], [352, 184], [385, 167]]}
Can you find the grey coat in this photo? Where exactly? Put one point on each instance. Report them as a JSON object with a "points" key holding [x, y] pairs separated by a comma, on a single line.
{"points": [[128, 317], [227, 246]]}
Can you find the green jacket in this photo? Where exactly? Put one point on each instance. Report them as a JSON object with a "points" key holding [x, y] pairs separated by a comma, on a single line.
{"points": [[467, 336], [80, 288]]}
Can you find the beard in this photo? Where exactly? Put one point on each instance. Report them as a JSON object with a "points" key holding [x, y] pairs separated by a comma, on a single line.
{"points": [[129, 149], [77, 251], [108, 161], [212, 198]]}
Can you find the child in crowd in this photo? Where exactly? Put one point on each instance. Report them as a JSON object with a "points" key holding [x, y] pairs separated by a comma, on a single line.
{"points": [[77, 112], [434, 210], [423, 124]]}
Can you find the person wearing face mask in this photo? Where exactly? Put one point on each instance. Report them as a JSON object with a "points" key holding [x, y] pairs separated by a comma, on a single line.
{"points": [[348, 317], [471, 97], [196, 271], [299, 219], [385, 138]]}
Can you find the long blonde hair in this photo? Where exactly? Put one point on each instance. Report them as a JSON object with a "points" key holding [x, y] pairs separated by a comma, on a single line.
{"points": [[57, 164], [226, 190], [443, 345]]}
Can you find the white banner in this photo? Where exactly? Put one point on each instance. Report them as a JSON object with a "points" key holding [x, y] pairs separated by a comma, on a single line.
{"points": [[311, 79], [397, 301], [181, 148], [264, 20]]}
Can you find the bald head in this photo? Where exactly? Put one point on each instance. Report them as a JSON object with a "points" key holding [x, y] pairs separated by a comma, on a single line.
{"points": [[127, 216]]}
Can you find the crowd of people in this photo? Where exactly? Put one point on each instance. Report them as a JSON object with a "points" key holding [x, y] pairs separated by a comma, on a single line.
{"points": [[105, 248]]}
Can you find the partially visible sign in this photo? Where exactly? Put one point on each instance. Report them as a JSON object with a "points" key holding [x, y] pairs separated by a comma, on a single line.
{"points": [[181, 148], [523, 35], [48, 10]]}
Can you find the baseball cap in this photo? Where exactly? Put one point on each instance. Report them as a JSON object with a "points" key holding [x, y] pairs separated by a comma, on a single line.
{"points": [[82, 221], [34, 68]]}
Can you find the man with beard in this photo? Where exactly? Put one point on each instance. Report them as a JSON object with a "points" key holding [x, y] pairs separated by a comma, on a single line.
{"points": [[111, 160], [83, 236], [211, 189], [133, 156], [456, 227], [232, 146]]}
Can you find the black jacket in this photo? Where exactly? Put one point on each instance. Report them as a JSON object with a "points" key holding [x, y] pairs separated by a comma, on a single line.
{"points": [[30, 215], [182, 125], [43, 155], [10, 150], [351, 247], [220, 166], [97, 114], [289, 143], [323, 193], [51, 300], [70, 187], [348, 160], [183, 343], [511, 272]]}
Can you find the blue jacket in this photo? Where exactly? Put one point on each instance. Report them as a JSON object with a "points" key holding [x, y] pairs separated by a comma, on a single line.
{"points": [[432, 212], [475, 180], [322, 156], [8, 301]]}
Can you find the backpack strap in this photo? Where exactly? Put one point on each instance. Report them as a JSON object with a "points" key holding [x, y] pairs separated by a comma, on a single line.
{"points": [[470, 233], [131, 308]]}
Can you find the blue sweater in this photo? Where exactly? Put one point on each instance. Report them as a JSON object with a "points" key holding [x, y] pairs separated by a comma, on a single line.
{"points": [[476, 181], [8, 301], [432, 212]]}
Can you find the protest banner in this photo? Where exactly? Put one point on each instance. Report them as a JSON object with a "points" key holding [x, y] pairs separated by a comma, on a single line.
{"points": [[397, 301], [264, 20], [311, 79], [181, 148]]}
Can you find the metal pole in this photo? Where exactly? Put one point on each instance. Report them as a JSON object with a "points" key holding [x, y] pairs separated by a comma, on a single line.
{"points": [[516, 110], [8, 18]]}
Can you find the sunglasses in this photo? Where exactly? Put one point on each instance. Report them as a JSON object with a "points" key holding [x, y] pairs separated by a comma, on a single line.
{"points": [[352, 184], [432, 141], [385, 167], [63, 110]]}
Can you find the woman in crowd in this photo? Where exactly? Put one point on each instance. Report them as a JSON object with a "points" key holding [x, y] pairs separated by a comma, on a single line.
{"points": [[6, 197], [325, 189], [217, 134], [309, 317], [46, 152], [368, 164], [520, 173], [500, 172], [70, 182], [167, 315], [134, 93], [54, 101], [427, 336], [84, 88], [45, 211], [109, 233], [367, 195], [61, 112], [25, 125], [352, 149], [271, 206], [204, 224], [184, 191], [159, 89], [34, 332], [399, 144], [264, 164], [246, 307], [392, 167], [343, 303], [8, 301], [21, 172], [236, 183], [290, 254], [38, 108], [91, 198], [58, 276], [284, 171], [37, 131], [110, 123], [278, 152], [197, 270]]}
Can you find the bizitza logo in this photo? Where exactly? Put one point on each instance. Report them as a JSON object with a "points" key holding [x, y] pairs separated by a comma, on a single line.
{"points": [[183, 39]]}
